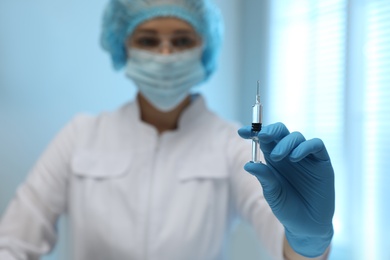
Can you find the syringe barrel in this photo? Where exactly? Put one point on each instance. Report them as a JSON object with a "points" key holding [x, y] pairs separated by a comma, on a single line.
{"points": [[257, 113]]}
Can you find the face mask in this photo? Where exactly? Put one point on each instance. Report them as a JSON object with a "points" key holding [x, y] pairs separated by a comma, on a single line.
{"points": [[165, 80]]}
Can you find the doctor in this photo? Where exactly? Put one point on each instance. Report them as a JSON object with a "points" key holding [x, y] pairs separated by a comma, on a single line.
{"points": [[150, 180]]}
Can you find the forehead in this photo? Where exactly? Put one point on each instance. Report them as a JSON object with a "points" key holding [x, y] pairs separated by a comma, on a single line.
{"points": [[164, 25]]}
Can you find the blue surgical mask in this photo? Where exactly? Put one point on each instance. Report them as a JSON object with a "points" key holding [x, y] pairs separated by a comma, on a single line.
{"points": [[165, 80]]}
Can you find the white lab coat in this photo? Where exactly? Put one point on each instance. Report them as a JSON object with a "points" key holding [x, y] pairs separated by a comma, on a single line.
{"points": [[131, 193]]}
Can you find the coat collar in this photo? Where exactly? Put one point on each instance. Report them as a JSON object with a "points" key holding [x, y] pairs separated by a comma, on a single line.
{"points": [[191, 117]]}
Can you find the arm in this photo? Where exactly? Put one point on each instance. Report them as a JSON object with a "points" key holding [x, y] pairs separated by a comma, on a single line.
{"points": [[298, 184], [27, 229], [251, 205]]}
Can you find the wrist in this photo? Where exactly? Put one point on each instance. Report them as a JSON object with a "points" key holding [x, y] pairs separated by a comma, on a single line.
{"points": [[309, 245]]}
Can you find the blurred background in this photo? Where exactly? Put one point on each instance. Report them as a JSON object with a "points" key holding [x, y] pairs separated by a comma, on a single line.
{"points": [[324, 66]]}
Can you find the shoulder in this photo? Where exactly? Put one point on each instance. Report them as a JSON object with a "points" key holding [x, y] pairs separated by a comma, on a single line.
{"points": [[223, 133], [222, 127], [87, 124], [85, 120]]}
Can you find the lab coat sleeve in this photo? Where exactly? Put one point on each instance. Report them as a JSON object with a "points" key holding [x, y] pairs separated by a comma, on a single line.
{"points": [[249, 202], [27, 229]]}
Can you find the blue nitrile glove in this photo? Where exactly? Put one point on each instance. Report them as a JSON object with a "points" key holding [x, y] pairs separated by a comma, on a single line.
{"points": [[298, 184]]}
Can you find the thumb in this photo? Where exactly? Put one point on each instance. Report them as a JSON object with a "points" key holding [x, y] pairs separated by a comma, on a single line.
{"points": [[266, 177]]}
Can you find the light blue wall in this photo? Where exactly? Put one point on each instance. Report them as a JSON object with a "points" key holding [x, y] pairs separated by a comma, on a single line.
{"points": [[52, 67]]}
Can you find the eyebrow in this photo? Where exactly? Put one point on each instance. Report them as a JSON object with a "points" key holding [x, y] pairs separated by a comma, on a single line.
{"points": [[152, 31], [146, 31]]}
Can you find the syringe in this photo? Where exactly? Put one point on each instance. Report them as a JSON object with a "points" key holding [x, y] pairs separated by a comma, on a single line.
{"points": [[257, 121]]}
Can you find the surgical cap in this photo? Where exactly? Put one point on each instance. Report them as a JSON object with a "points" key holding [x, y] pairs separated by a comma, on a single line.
{"points": [[121, 17]]}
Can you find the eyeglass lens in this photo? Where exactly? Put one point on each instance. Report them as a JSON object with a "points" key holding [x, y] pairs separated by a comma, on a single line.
{"points": [[177, 42]]}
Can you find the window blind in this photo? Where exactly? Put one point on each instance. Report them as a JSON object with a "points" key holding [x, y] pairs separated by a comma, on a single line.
{"points": [[330, 77], [307, 77], [376, 137]]}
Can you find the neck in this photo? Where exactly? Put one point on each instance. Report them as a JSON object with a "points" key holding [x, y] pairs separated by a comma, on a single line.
{"points": [[162, 121]]}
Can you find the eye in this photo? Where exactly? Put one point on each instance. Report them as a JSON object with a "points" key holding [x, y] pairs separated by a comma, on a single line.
{"points": [[183, 42], [147, 42]]}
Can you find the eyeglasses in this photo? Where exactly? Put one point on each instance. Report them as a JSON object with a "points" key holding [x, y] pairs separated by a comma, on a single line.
{"points": [[160, 42]]}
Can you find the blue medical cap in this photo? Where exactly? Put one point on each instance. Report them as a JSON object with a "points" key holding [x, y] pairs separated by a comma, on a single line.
{"points": [[121, 17]]}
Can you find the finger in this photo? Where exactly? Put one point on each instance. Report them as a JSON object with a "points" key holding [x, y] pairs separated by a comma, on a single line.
{"points": [[245, 132], [265, 176], [270, 135], [273, 132], [286, 146], [315, 147]]}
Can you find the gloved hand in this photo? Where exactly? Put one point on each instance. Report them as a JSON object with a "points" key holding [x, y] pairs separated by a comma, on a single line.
{"points": [[298, 184]]}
